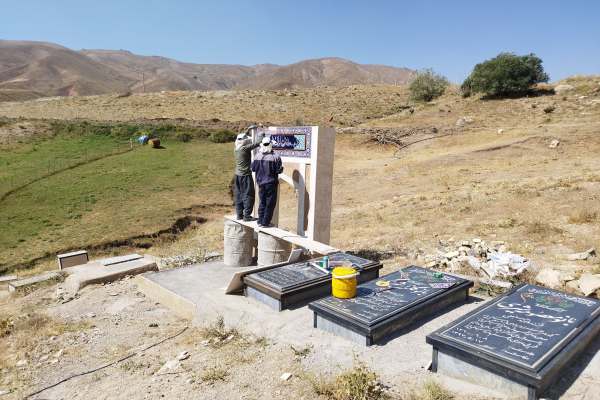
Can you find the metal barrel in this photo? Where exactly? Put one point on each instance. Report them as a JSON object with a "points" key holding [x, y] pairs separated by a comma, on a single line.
{"points": [[237, 244], [272, 250]]}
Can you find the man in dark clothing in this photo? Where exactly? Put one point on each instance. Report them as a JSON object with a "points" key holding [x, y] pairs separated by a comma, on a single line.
{"points": [[267, 166], [244, 184]]}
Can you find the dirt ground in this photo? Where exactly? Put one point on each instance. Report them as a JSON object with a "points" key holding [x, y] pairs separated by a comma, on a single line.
{"points": [[110, 321], [107, 322]]}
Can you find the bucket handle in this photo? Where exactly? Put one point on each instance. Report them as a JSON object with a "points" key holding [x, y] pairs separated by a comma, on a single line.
{"points": [[349, 276]]}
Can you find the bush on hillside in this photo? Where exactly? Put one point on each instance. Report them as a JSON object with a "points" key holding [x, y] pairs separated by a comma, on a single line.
{"points": [[505, 75], [183, 137], [223, 136], [465, 88], [427, 86]]}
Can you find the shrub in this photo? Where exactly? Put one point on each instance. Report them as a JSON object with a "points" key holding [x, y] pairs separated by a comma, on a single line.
{"points": [[505, 75], [465, 88], [359, 383], [427, 85], [184, 137], [223, 136]]}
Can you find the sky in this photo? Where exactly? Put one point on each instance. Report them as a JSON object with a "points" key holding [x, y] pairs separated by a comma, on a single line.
{"points": [[449, 36]]}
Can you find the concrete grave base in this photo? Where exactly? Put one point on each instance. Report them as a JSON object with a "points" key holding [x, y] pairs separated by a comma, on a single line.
{"points": [[22, 285], [197, 293], [458, 369], [5, 280], [263, 298], [340, 330], [95, 272]]}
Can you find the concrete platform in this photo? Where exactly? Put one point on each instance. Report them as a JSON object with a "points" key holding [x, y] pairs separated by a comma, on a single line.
{"points": [[96, 272], [6, 279], [25, 284], [197, 293]]}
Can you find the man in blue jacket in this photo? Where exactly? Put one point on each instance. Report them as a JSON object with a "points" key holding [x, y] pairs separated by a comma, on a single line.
{"points": [[267, 166]]}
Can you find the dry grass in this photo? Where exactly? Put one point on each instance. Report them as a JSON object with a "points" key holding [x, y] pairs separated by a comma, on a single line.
{"points": [[541, 229], [218, 334], [21, 334], [584, 217], [474, 183], [431, 390], [359, 383], [213, 375], [302, 352]]}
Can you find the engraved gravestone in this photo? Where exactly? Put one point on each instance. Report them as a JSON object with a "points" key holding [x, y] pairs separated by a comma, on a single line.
{"points": [[386, 306], [525, 335], [294, 284]]}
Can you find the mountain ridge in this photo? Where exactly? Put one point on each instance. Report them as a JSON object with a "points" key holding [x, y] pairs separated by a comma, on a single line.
{"points": [[30, 69]]}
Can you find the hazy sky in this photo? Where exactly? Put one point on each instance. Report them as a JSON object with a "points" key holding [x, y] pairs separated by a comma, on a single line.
{"points": [[449, 36]]}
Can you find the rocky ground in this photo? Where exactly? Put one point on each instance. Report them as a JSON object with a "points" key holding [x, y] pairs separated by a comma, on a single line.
{"points": [[51, 341]]}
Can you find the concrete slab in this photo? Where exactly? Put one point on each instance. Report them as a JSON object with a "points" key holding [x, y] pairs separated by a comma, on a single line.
{"points": [[198, 293], [95, 272], [293, 238], [22, 285], [6, 279]]}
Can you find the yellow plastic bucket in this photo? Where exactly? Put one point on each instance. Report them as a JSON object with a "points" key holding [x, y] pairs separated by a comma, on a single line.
{"points": [[343, 282]]}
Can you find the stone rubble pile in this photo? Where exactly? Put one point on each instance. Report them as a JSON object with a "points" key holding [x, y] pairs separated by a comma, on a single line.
{"points": [[182, 260], [491, 260]]}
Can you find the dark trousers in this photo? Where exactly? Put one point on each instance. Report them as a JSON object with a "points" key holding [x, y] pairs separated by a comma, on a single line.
{"points": [[267, 195], [244, 195]]}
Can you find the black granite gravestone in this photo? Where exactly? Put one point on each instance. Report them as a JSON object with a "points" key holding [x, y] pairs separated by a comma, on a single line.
{"points": [[384, 307], [525, 336], [296, 284]]}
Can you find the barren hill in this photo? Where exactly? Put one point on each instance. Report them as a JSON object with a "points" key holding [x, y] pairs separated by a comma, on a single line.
{"points": [[326, 71], [37, 69], [162, 73], [31, 69]]}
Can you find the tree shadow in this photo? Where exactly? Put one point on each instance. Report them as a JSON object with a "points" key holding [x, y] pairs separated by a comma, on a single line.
{"points": [[536, 92], [372, 254]]}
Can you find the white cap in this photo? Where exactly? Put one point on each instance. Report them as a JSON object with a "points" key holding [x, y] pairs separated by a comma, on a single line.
{"points": [[266, 140], [241, 136]]}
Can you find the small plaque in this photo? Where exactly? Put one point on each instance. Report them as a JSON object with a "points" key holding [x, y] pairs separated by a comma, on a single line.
{"points": [[526, 327]]}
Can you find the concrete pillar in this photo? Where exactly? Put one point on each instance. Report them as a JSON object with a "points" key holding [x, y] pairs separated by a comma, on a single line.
{"points": [[238, 241], [272, 250]]}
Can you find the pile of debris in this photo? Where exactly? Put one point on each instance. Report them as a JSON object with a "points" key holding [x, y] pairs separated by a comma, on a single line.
{"points": [[477, 257], [182, 260]]}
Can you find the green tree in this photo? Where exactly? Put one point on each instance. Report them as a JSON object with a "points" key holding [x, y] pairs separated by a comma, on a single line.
{"points": [[505, 75], [427, 85]]}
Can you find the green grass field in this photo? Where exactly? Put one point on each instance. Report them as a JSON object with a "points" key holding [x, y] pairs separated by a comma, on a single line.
{"points": [[82, 187]]}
